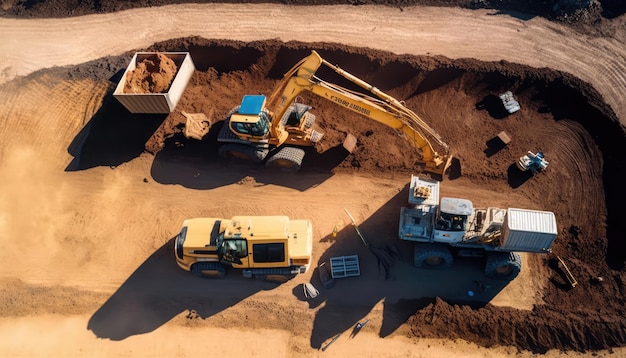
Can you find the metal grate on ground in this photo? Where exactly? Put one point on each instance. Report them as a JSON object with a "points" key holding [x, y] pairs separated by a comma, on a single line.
{"points": [[345, 266]]}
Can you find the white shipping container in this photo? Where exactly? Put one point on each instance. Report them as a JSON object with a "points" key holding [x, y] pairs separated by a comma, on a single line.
{"points": [[156, 102], [528, 230]]}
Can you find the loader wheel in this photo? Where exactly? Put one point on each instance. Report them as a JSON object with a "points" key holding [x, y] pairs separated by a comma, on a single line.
{"points": [[432, 256], [503, 265], [289, 159], [208, 270], [234, 151]]}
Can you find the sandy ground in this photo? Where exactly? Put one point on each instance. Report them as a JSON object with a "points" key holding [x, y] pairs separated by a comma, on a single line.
{"points": [[99, 279]]}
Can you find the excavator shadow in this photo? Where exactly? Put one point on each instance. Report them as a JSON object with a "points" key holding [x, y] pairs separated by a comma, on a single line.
{"points": [[325, 161], [196, 164], [158, 290]]}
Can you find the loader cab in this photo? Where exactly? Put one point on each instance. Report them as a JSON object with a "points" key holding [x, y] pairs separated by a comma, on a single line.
{"points": [[251, 120], [234, 250], [452, 219]]}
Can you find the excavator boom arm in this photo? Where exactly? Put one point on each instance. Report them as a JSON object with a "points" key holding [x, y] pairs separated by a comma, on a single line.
{"points": [[379, 107]]}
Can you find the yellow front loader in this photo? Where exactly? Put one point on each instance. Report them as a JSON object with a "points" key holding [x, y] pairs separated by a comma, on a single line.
{"points": [[261, 246]]}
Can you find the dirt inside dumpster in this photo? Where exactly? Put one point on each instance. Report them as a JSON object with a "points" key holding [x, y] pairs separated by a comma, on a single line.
{"points": [[153, 74]]}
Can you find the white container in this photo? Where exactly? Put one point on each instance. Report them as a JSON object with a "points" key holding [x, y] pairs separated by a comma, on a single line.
{"points": [[156, 102], [528, 230]]}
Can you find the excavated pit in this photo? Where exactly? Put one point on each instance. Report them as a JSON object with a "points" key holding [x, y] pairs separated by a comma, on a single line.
{"points": [[560, 115]]}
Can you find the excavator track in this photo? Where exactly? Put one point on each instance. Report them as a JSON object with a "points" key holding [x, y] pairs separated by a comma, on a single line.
{"points": [[287, 158]]}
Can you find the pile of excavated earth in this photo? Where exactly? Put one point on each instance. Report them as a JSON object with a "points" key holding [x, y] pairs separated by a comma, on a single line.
{"points": [[153, 74], [561, 115]]}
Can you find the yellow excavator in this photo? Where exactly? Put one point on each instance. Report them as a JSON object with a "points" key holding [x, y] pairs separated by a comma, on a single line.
{"points": [[271, 130]]}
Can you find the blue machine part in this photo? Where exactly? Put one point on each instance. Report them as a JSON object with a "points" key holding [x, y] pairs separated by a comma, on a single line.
{"points": [[252, 104]]}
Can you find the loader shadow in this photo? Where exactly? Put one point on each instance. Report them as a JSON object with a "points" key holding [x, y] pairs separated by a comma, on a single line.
{"points": [[159, 290], [196, 164], [397, 285], [112, 136]]}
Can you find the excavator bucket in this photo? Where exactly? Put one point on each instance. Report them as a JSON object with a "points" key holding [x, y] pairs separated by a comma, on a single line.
{"points": [[349, 143], [438, 167]]}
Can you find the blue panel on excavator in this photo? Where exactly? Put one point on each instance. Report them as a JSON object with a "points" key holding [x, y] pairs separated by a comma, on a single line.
{"points": [[252, 104]]}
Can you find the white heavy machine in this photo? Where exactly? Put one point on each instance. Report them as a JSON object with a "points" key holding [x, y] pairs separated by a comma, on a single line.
{"points": [[448, 227], [532, 162], [509, 102]]}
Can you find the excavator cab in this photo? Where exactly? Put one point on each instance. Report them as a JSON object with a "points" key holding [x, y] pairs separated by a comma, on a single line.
{"points": [[251, 120]]}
